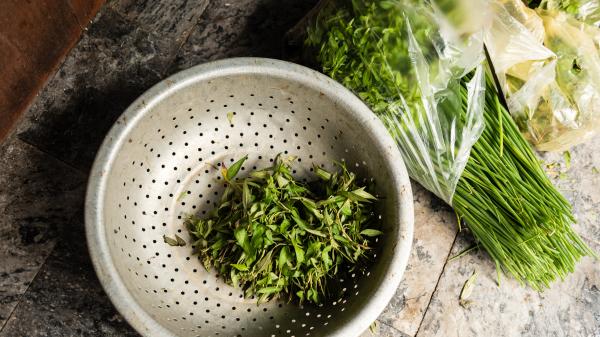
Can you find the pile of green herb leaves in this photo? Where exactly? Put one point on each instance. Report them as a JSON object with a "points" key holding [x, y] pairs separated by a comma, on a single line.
{"points": [[503, 194], [275, 236]]}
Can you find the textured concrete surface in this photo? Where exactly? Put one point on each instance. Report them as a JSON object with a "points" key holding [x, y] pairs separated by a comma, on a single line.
{"points": [[240, 28], [66, 298], [383, 330], [114, 62], [38, 196], [48, 288], [171, 20], [435, 230], [569, 308]]}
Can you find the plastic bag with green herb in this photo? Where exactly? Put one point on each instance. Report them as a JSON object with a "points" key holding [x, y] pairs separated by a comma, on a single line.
{"points": [[420, 60], [548, 66], [418, 65]]}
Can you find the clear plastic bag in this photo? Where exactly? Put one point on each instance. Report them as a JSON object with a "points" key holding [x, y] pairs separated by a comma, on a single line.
{"points": [[436, 137], [548, 66], [587, 11], [412, 81]]}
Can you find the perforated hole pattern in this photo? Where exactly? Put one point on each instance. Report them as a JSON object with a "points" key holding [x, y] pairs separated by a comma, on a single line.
{"points": [[168, 168]]}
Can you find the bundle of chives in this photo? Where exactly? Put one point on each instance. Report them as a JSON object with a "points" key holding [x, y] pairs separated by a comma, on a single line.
{"points": [[503, 195], [511, 207]]}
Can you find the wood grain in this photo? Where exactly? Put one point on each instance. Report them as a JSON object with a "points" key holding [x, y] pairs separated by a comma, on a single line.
{"points": [[35, 36]]}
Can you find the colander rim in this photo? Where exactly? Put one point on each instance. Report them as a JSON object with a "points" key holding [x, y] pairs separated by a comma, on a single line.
{"points": [[97, 243]]}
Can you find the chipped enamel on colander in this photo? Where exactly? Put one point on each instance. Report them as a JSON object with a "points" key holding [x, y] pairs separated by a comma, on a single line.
{"points": [[160, 162]]}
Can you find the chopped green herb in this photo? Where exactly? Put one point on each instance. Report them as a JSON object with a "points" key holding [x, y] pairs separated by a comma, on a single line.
{"points": [[272, 235], [230, 117]]}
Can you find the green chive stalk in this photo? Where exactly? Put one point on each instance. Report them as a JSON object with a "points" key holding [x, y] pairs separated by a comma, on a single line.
{"points": [[503, 194]]}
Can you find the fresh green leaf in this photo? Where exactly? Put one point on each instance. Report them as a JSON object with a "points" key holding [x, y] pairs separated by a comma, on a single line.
{"points": [[284, 258], [322, 173], [241, 236], [233, 170], [315, 232], [281, 181], [240, 267], [364, 195], [346, 208], [370, 232], [246, 196], [299, 254], [269, 290]]}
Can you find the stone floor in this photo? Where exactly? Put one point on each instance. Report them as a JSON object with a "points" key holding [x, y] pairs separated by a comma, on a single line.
{"points": [[47, 284]]}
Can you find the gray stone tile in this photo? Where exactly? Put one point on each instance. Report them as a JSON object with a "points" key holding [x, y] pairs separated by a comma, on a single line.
{"points": [[240, 28], [168, 19], [568, 308], [435, 230], [581, 186], [113, 63], [382, 330], [38, 196], [66, 299]]}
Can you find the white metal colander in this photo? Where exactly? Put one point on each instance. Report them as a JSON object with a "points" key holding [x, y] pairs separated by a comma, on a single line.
{"points": [[160, 162]]}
